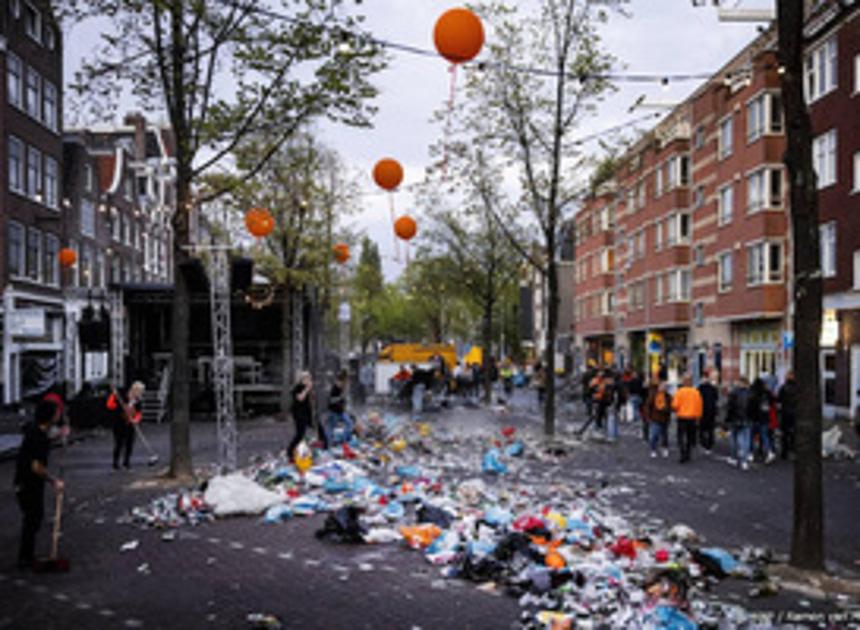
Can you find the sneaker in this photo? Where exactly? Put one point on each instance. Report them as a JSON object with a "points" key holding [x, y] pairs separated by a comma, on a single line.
{"points": [[706, 451], [731, 461], [665, 452], [653, 454], [770, 457], [745, 466]]}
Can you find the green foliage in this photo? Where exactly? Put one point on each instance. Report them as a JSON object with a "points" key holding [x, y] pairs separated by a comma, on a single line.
{"points": [[367, 291]]}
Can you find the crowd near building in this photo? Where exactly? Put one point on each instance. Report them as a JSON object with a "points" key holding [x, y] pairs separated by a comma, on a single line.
{"points": [[684, 259], [105, 193]]}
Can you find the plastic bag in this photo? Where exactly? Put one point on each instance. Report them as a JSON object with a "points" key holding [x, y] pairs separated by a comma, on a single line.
{"points": [[436, 515], [343, 526], [303, 458], [492, 463], [420, 536]]}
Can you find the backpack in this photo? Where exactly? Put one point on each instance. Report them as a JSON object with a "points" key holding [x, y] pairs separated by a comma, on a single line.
{"points": [[660, 403]]}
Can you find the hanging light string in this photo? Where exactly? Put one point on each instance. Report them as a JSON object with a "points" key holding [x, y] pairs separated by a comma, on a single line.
{"points": [[662, 79]]}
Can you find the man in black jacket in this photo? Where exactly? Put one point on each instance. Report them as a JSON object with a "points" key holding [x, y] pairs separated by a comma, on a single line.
{"points": [[31, 473], [710, 399], [787, 408]]}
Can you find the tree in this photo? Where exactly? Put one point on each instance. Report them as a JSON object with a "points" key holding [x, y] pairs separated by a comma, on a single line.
{"points": [[542, 77], [367, 289], [280, 71], [433, 285], [807, 540]]}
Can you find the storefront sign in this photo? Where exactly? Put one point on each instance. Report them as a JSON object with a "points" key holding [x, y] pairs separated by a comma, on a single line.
{"points": [[27, 322]]}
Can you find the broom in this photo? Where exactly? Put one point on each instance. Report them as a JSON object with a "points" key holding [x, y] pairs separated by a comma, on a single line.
{"points": [[54, 563], [153, 456]]}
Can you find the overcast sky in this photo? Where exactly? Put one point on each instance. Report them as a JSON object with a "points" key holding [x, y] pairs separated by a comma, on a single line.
{"points": [[661, 37]]}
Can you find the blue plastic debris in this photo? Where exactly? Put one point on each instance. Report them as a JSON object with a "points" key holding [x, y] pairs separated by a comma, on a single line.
{"points": [[278, 513], [492, 462], [514, 450]]}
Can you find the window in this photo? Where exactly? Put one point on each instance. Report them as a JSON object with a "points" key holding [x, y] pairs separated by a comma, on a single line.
{"points": [[828, 249], [677, 171], [16, 252], [699, 314], [658, 236], [699, 255], [755, 118], [640, 244], [86, 266], [678, 285], [99, 270], [115, 270], [677, 229], [820, 69], [34, 255], [658, 289], [115, 226], [824, 158], [727, 204], [699, 197], [34, 174], [50, 38], [725, 272], [775, 113], [88, 218], [640, 195], [14, 76], [33, 21], [857, 269], [857, 172], [49, 105], [764, 263], [52, 182], [764, 189], [126, 231], [32, 93], [699, 137], [15, 8], [857, 74], [658, 182], [129, 187], [16, 165], [727, 128], [52, 262], [89, 178]]}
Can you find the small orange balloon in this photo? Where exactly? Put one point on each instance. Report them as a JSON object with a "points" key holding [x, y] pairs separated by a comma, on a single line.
{"points": [[341, 252], [259, 222], [405, 227], [458, 35], [388, 173], [67, 257]]}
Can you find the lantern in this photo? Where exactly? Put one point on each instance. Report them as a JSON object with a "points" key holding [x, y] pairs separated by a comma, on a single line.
{"points": [[388, 173], [341, 252], [458, 35], [67, 257], [259, 222], [405, 227]]}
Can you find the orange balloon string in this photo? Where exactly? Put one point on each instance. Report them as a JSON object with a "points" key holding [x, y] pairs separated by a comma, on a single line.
{"points": [[452, 92], [393, 218]]}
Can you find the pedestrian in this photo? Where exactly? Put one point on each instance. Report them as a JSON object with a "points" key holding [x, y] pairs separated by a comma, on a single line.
{"points": [[636, 389], [710, 402], [601, 397], [587, 391], [301, 409], [126, 412], [787, 409], [617, 400], [737, 418], [758, 410], [31, 473], [687, 405], [657, 412], [337, 414], [539, 382]]}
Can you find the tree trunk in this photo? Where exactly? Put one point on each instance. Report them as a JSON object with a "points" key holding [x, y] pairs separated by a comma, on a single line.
{"points": [[807, 544], [287, 377], [551, 330], [487, 342]]}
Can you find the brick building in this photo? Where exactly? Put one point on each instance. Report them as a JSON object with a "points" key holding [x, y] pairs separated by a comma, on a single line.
{"points": [[31, 209]]}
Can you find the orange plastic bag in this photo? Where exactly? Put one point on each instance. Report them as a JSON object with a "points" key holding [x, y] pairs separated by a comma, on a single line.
{"points": [[420, 536]]}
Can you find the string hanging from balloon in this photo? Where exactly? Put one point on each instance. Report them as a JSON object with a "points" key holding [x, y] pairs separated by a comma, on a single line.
{"points": [[388, 173]]}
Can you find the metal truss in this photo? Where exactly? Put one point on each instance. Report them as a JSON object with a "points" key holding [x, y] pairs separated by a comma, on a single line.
{"points": [[222, 360]]}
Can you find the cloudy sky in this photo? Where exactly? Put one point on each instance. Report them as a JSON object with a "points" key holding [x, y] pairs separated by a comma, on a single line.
{"points": [[662, 37]]}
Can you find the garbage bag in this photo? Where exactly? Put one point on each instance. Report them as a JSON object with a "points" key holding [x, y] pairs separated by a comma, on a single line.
{"points": [[394, 511], [420, 536], [278, 513], [715, 561], [408, 472], [236, 494], [498, 517], [527, 523], [515, 449], [509, 432], [303, 458], [436, 515], [669, 618], [343, 526], [481, 568], [492, 462]]}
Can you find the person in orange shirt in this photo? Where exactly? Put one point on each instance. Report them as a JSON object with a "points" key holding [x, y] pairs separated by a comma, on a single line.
{"points": [[687, 405]]}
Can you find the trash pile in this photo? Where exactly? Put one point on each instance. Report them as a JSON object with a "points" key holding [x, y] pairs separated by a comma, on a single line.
{"points": [[559, 548], [831, 446]]}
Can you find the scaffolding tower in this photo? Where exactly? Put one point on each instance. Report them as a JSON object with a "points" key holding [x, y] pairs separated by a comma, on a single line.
{"points": [[222, 360], [117, 338]]}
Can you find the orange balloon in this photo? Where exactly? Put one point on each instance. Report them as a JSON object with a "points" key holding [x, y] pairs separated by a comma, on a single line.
{"points": [[259, 222], [388, 173], [67, 257], [405, 227], [341, 252], [458, 35]]}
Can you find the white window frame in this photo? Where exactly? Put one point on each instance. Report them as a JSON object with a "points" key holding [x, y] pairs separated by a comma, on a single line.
{"points": [[725, 271], [51, 191], [658, 235], [677, 172], [678, 283], [89, 177], [856, 283], [88, 218], [699, 197], [821, 70], [51, 271], [34, 31], [49, 105], [824, 147], [115, 225], [21, 187], [765, 189], [658, 181], [699, 137], [658, 289], [699, 255], [763, 250], [39, 254], [37, 177], [764, 117], [37, 98], [22, 254], [726, 211], [827, 233], [699, 313], [726, 140], [857, 73], [16, 78], [856, 185]]}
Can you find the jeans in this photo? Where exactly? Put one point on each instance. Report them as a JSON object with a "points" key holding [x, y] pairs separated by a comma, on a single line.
{"points": [[611, 424], [658, 432], [739, 444], [761, 429], [686, 437], [334, 419], [418, 399]]}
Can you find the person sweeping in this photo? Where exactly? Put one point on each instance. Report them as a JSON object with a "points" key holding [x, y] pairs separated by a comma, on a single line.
{"points": [[126, 412], [31, 473]]}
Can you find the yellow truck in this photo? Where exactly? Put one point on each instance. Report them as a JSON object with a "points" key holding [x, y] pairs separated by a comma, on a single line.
{"points": [[417, 353]]}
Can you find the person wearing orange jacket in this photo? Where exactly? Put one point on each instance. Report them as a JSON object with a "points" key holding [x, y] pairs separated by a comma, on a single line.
{"points": [[125, 411], [687, 405]]}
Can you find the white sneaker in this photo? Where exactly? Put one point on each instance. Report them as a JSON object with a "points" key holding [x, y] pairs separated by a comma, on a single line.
{"points": [[745, 466], [665, 452], [653, 454], [707, 451], [770, 457], [731, 461]]}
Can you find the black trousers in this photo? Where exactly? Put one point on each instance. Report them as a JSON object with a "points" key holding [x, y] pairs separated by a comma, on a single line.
{"points": [[302, 425], [686, 437], [706, 432], [123, 442], [32, 503], [787, 442]]}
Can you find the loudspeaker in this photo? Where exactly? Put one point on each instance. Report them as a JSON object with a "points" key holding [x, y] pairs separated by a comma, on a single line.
{"points": [[241, 273]]}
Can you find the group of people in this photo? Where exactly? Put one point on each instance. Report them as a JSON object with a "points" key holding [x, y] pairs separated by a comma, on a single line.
{"points": [[339, 424], [753, 412]]}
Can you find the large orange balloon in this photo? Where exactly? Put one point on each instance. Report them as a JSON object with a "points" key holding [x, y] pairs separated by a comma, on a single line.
{"points": [[388, 173], [259, 222], [341, 252], [458, 35], [67, 257], [405, 227]]}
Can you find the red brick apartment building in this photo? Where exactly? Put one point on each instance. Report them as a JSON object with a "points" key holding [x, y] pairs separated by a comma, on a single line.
{"points": [[684, 260]]}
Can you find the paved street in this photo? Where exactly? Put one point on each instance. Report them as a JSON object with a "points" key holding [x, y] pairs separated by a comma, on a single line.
{"points": [[216, 574]]}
